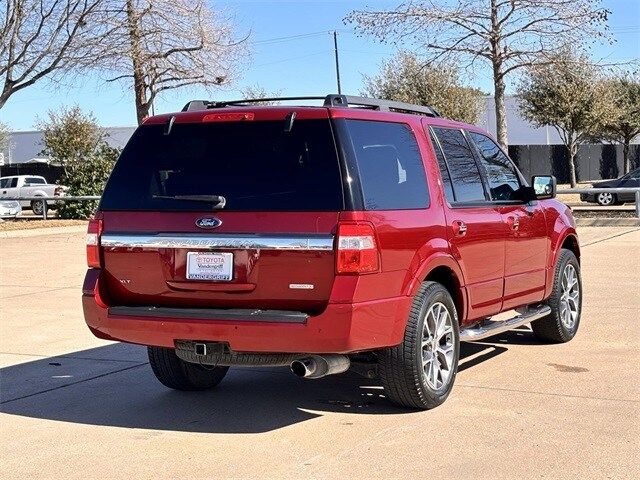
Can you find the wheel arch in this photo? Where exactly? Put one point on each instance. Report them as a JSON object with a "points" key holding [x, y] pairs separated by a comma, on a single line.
{"points": [[446, 277], [570, 242], [442, 268]]}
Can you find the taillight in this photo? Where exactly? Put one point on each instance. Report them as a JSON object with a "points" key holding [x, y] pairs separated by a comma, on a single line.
{"points": [[93, 243], [357, 250]]}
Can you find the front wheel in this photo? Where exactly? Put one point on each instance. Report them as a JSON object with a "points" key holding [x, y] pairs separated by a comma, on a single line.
{"points": [[175, 373], [420, 372], [565, 302], [606, 199]]}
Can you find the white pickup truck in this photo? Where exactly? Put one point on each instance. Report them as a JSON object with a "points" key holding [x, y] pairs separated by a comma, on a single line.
{"points": [[25, 186]]}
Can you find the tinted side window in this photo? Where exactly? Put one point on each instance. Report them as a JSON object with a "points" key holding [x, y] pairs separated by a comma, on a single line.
{"points": [[13, 183], [465, 176], [502, 175], [390, 166], [4, 183], [444, 170]]}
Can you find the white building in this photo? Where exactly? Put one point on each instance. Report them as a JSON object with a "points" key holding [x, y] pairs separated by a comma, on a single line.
{"points": [[27, 146]]}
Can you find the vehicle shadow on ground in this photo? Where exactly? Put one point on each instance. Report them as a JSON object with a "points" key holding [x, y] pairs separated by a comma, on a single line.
{"points": [[114, 386]]}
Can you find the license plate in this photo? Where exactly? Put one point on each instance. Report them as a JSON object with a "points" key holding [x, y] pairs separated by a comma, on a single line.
{"points": [[209, 266]]}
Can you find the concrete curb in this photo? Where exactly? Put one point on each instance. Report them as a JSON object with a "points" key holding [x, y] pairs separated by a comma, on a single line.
{"points": [[607, 222], [37, 232]]}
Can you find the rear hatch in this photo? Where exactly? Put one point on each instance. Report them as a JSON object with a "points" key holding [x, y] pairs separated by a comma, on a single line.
{"points": [[169, 241]]}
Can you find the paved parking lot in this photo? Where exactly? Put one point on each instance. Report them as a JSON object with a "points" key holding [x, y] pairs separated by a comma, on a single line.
{"points": [[73, 406]]}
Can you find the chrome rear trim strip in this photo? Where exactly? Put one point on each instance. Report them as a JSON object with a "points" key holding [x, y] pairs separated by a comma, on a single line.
{"points": [[217, 242]]}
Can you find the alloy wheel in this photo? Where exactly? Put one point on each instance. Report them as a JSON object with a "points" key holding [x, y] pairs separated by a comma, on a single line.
{"points": [[438, 347], [570, 298], [605, 198], [38, 207]]}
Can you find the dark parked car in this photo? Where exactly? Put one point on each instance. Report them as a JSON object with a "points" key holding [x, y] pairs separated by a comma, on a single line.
{"points": [[233, 234], [630, 180]]}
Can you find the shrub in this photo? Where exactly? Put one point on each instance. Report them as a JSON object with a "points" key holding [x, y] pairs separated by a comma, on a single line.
{"points": [[86, 177]]}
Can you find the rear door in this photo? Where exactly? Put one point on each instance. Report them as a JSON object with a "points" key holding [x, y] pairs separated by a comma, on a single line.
{"points": [[526, 245], [167, 242], [477, 232]]}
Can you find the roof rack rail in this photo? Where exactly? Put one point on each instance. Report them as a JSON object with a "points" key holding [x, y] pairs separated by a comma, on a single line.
{"points": [[331, 100], [378, 104]]}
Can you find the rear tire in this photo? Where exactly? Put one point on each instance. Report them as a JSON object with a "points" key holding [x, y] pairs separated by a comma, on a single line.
{"points": [[565, 302], [37, 207], [180, 375], [420, 372]]}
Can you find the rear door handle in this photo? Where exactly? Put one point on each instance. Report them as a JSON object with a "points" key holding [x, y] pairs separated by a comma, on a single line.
{"points": [[459, 228]]}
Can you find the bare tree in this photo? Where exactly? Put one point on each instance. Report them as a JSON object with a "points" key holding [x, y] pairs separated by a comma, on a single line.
{"points": [[42, 38], [161, 45], [405, 79], [509, 34], [569, 96], [257, 91]]}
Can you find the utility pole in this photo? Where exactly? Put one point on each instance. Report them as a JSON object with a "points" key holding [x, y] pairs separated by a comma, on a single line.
{"points": [[335, 49]]}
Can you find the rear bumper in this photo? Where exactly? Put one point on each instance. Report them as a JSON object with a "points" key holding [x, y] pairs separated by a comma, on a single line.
{"points": [[341, 328]]}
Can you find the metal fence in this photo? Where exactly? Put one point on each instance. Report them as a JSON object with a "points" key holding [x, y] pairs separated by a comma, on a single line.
{"points": [[636, 191], [47, 200]]}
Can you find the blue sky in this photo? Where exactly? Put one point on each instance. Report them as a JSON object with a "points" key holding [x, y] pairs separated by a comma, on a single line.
{"points": [[298, 66]]}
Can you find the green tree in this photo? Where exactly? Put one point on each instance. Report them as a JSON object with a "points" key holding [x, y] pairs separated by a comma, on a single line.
{"points": [[404, 78], [74, 140], [70, 135], [567, 95], [623, 125], [87, 177], [4, 137]]}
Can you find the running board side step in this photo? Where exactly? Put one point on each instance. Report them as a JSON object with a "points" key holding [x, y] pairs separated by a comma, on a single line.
{"points": [[490, 328]]}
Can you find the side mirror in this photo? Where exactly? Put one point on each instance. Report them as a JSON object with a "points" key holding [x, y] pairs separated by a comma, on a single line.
{"points": [[544, 186]]}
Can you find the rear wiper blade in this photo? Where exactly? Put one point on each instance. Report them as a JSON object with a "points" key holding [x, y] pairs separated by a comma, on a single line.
{"points": [[218, 200]]}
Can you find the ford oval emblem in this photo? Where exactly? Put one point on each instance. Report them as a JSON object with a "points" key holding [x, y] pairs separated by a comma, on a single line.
{"points": [[208, 222]]}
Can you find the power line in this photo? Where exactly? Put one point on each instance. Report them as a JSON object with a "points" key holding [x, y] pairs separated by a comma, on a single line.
{"points": [[292, 58], [289, 38], [298, 36]]}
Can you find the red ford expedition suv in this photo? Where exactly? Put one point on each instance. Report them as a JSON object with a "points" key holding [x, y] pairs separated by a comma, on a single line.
{"points": [[359, 232]]}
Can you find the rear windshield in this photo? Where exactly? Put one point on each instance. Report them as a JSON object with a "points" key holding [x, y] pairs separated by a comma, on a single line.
{"points": [[255, 166], [36, 180]]}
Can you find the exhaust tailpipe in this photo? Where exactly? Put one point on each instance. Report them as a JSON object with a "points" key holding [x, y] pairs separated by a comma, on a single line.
{"points": [[318, 366]]}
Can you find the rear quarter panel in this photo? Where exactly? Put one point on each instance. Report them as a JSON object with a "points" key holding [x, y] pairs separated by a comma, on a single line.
{"points": [[412, 242]]}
